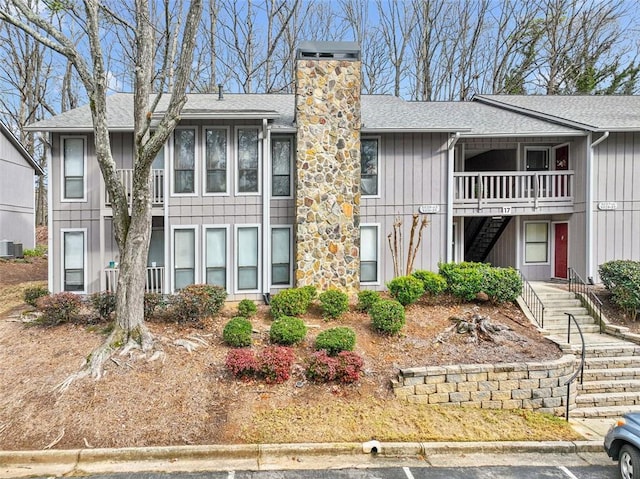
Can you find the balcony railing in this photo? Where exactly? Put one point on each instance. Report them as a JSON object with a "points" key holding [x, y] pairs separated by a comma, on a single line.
{"points": [[153, 284], [157, 186], [513, 188]]}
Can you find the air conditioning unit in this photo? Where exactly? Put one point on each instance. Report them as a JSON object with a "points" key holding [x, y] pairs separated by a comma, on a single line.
{"points": [[17, 250], [6, 249]]}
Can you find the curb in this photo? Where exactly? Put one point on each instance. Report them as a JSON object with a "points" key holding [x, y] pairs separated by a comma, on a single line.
{"points": [[261, 456]]}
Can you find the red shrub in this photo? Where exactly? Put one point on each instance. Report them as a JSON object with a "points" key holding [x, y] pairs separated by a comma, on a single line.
{"points": [[350, 366], [345, 367], [275, 363], [58, 308], [241, 362]]}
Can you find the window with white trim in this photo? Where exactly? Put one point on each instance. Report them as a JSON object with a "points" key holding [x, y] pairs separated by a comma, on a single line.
{"points": [[184, 257], [73, 158], [184, 161], [215, 256], [369, 166], [536, 158], [536, 247], [215, 154], [281, 151], [281, 256], [368, 253], [73, 260], [248, 160], [247, 258]]}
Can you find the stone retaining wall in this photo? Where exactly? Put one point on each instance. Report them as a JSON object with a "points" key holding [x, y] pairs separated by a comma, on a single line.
{"points": [[538, 386]]}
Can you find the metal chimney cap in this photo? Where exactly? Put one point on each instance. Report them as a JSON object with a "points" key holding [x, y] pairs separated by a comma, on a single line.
{"points": [[349, 51]]}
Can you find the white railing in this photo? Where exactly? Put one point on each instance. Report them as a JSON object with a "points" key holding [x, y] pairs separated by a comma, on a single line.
{"points": [[153, 284], [157, 186], [485, 188]]}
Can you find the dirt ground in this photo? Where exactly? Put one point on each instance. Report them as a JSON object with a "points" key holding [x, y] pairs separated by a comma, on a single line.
{"points": [[189, 398]]}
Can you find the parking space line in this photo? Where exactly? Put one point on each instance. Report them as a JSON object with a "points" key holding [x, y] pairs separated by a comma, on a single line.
{"points": [[567, 472], [408, 473]]}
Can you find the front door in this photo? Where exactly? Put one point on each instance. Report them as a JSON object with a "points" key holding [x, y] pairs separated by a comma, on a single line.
{"points": [[561, 241]]}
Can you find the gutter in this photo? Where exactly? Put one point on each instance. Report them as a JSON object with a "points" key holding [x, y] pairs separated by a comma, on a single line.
{"points": [[589, 202], [451, 144]]}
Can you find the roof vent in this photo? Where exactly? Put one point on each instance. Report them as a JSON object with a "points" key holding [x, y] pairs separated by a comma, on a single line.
{"points": [[349, 51], [220, 94]]}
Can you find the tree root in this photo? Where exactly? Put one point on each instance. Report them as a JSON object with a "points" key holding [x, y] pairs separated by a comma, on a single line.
{"points": [[479, 328]]}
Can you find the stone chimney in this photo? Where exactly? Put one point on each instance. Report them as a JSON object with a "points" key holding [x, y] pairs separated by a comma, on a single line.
{"points": [[328, 165]]}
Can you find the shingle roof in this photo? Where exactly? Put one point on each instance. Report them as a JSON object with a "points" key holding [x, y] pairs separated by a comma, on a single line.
{"points": [[18, 146], [596, 113]]}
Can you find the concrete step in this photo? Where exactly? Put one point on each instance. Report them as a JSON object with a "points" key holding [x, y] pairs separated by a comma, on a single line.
{"points": [[614, 362], [578, 311], [608, 399], [563, 320], [608, 411], [560, 331], [601, 387], [562, 303], [611, 374], [611, 351]]}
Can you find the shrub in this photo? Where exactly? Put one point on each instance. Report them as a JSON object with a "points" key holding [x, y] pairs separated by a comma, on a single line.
{"points": [[241, 363], [333, 303], [366, 299], [32, 294], [345, 367], [387, 316], [287, 330], [275, 363], [103, 303], [237, 332], [58, 308], [622, 278], [152, 301], [335, 340], [39, 250], [310, 292], [290, 302], [247, 308], [502, 284], [198, 301], [406, 289], [433, 283], [464, 280]]}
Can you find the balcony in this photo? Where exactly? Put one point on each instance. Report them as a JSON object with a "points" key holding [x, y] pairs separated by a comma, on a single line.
{"points": [[153, 284], [514, 192], [157, 186]]}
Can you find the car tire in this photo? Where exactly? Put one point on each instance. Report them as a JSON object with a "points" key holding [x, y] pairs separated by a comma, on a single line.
{"points": [[628, 461]]}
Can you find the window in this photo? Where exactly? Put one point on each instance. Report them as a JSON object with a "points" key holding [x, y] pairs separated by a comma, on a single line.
{"points": [[248, 160], [537, 158], [247, 254], [184, 250], [184, 160], [369, 166], [368, 253], [215, 160], [73, 168], [281, 149], [536, 249], [281, 256], [73, 253], [215, 243]]}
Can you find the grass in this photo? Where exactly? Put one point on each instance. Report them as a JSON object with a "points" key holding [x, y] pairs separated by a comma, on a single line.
{"points": [[13, 295], [398, 421]]}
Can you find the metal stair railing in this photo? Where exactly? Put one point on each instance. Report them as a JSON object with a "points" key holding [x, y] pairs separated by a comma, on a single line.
{"points": [[580, 370], [579, 287], [532, 300]]}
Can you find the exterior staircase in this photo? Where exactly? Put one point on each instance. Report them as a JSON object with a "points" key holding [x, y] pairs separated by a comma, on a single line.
{"points": [[481, 234], [611, 376]]}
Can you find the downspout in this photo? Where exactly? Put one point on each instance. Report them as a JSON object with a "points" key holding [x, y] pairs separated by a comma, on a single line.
{"points": [[451, 144], [50, 253], [589, 204], [266, 211]]}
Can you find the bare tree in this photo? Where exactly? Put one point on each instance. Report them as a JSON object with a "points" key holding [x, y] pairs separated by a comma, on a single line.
{"points": [[131, 230]]}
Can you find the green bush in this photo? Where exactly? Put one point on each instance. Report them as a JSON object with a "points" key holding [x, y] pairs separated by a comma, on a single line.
{"points": [[335, 340], [287, 330], [290, 302], [39, 250], [58, 308], [433, 283], [502, 285], [333, 303], [237, 333], [387, 316], [32, 294], [311, 292], [198, 301], [622, 278], [247, 308], [103, 303], [406, 289], [152, 302], [464, 280], [366, 299]]}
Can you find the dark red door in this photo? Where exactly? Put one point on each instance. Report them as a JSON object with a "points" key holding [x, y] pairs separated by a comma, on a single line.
{"points": [[561, 247]]}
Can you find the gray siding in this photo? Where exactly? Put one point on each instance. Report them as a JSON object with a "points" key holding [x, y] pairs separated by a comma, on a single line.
{"points": [[17, 196], [504, 252]]}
